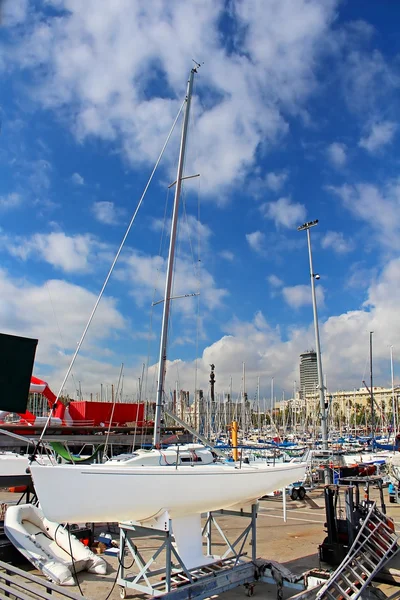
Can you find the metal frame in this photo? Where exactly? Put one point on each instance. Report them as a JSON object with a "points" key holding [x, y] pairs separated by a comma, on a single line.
{"points": [[251, 528], [173, 579], [21, 585], [374, 544]]}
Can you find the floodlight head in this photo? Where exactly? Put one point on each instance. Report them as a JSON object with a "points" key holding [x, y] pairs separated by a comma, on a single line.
{"points": [[307, 225]]}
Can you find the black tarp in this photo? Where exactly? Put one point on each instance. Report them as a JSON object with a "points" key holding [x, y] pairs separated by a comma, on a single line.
{"points": [[17, 355]]}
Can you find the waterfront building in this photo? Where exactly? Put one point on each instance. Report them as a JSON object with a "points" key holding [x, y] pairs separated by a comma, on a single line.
{"points": [[308, 373]]}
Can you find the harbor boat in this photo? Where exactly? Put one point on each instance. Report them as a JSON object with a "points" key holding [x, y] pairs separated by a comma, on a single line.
{"points": [[49, 546], [138, 490], [13, 467], [393, 445], [125, 492]]}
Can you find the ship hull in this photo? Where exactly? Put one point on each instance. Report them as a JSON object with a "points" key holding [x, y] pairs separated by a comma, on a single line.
{"points": [[100, 493]]}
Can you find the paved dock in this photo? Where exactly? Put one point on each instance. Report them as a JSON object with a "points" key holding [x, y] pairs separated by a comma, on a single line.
{"points": [[293, 543]]}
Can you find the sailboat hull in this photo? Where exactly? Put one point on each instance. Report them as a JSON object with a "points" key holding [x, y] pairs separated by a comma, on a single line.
{"points": [[97, 493]]}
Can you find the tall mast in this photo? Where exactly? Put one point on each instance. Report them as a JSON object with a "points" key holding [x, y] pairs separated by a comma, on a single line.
{"points": [[394, 410], [321, 386], [272, 398], [244, 400], [372, 389], [170, 266]]}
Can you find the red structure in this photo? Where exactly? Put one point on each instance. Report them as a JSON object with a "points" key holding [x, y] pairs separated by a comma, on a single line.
{"points": [[82, 413], [100, 413]]}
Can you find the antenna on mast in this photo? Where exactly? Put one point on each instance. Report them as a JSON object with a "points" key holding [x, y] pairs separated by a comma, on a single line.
{"points": [[198, 65]]}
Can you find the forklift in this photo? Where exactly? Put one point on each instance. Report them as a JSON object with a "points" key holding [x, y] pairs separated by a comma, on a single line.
{"points": [[343, 522]]}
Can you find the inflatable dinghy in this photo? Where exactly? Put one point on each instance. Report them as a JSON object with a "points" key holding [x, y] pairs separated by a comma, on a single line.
{"points": [[48, 545]]}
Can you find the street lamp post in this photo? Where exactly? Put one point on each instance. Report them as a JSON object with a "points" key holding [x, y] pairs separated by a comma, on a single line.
{"points": [[306, 227]]}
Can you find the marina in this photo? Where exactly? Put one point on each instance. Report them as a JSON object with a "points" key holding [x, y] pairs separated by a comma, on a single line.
{"points": [[199, 389], [292, 543]]}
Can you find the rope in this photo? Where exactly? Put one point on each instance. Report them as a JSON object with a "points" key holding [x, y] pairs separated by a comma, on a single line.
{"points": [[109, 275]]}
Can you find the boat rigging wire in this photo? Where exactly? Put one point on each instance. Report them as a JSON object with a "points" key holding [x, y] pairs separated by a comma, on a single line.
{"points": [[58, 327], [108, 276], [198, 317], [161, 249]]}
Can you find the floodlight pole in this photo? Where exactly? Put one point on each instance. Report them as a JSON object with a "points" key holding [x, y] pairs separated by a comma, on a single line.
{"points": [[321, 387]]}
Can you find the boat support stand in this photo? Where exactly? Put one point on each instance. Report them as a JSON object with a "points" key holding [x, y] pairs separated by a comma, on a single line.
{"points": [[163, 573]]}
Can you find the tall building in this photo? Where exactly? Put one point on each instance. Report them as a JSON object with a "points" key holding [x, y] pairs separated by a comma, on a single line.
{"points": [[308, 373]]}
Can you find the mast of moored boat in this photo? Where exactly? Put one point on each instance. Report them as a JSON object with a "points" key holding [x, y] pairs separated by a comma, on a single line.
{"points": [[372, 390], [393, 396], [170, 266], [244, 401]]}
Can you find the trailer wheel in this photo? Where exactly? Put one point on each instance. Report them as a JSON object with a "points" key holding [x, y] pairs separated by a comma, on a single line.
{"points": [[122, 592], [302, 493], [294, 494]]}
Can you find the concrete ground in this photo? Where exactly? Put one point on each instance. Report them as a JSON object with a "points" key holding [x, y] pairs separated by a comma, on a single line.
{"points": [[293, 543]]}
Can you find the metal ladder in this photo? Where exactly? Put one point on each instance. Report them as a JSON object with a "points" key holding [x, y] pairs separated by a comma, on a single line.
{"points": [[374, 545]]}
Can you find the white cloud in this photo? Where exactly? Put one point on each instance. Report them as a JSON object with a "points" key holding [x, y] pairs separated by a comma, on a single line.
{"points": [[10, 201], [190, 230], [146, 276], [274, 281], [101, 80], [380, 135], [368, 79], [56, 312], [337, 154], [71, 254], [77, 179], [267, 351], [32, 177], [256, 241], [39, 178], [284, 212], [348, 334], [227, 255], [378, 207], [106, 212], [300, 295], [259, 185], [275, 181], [13, 12], [337, 242]]}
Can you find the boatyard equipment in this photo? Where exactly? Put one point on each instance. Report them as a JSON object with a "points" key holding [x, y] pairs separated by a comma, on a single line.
{"points": [[345, 508], [296, 491], [175, 581], [376, 543], [174, 572]]}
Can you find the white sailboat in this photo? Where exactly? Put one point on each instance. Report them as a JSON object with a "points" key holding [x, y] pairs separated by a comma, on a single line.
{"points": [[144, 488]]}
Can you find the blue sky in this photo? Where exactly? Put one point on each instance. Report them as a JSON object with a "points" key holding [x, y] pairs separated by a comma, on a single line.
{"points": [[294, 117]]}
